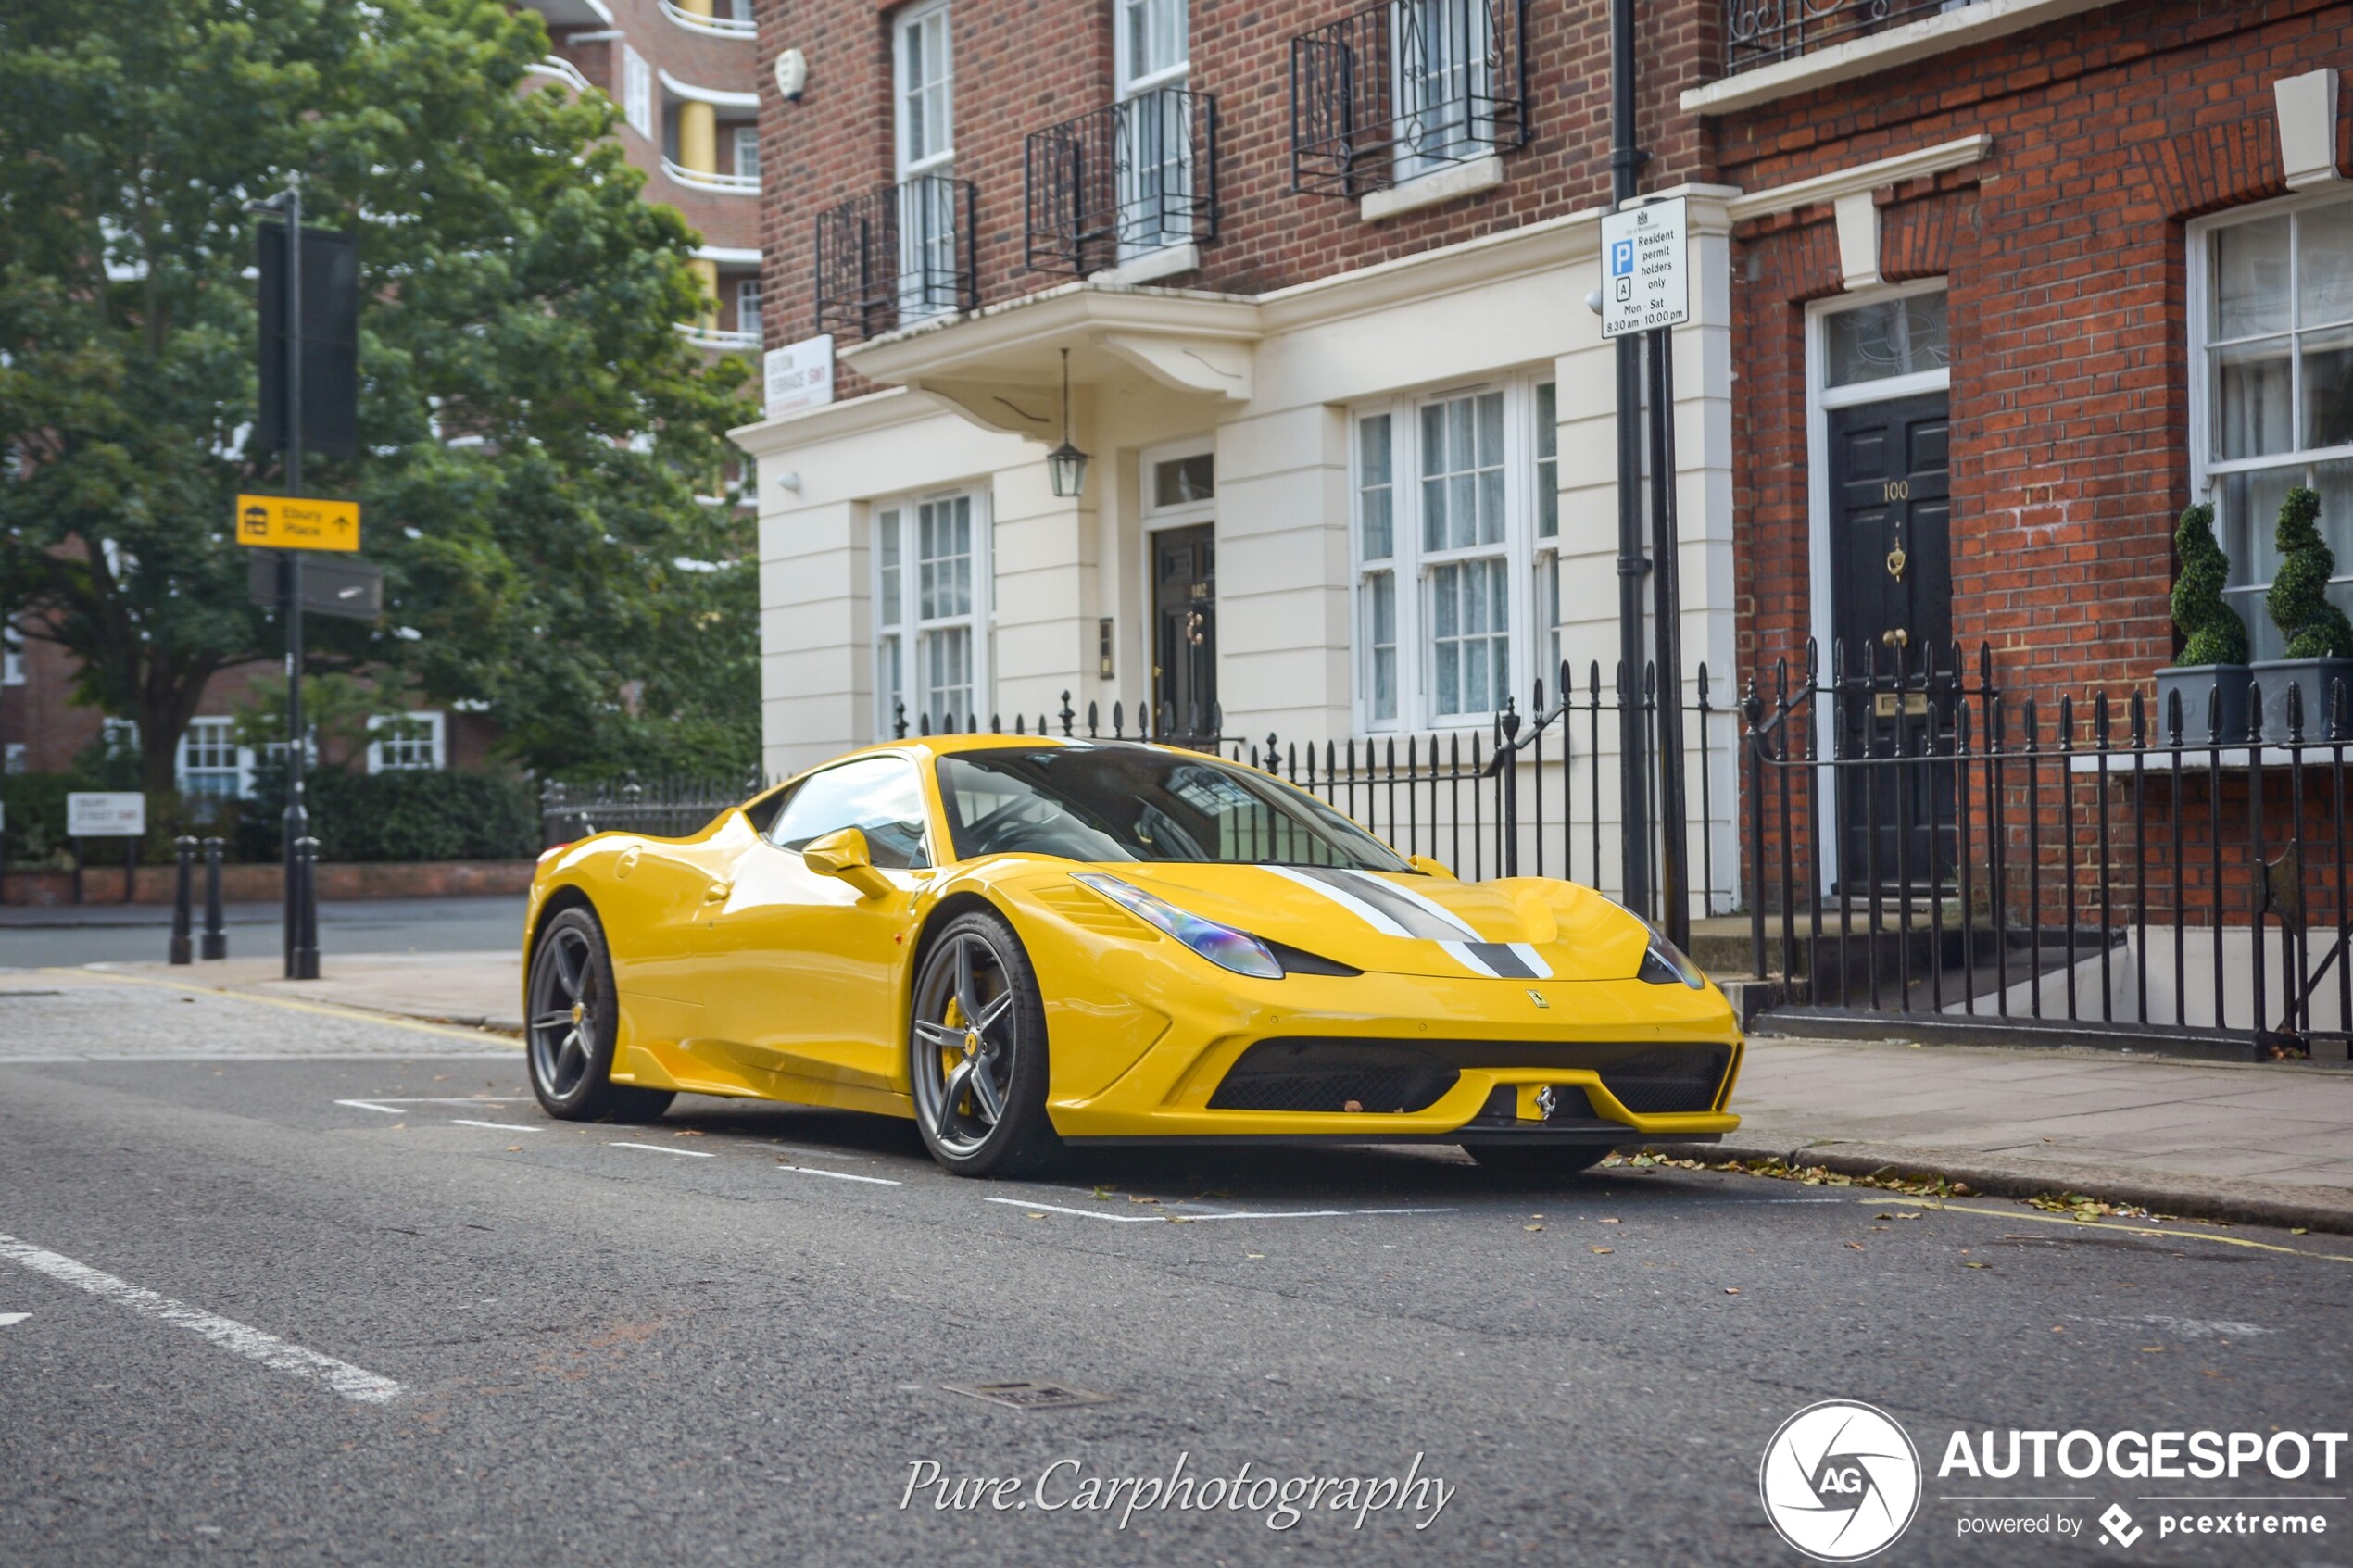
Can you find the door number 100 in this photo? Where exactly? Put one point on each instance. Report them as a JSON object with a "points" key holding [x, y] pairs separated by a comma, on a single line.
{"points": [[1896, 490]]}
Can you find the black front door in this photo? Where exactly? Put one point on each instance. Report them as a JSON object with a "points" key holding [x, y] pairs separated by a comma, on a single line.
{"points": [[1185, 629], [1892, 619]]}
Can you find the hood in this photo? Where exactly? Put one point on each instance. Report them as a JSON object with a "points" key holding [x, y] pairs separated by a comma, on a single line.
{"points": [[1520, 928]]}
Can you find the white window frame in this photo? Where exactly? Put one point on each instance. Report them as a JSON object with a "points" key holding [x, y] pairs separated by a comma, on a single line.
{"points": [[910, 630], [746, 140], [2207, 471], [748, 311], [1150, 121], [11, 656], [1467, 131], [638, 92], [16, 758], [924, 222], [1524, 554], [217, 734], [435, 741]]}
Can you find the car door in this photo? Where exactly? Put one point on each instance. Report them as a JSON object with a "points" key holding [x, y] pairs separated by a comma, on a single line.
{"points": [[803, 971]]}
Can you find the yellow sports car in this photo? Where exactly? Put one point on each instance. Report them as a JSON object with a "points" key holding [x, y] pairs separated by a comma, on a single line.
{"points": [[1026, 942]]}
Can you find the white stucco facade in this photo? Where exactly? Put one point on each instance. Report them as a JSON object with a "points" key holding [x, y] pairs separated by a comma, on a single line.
{"points": [[1275, 386]]}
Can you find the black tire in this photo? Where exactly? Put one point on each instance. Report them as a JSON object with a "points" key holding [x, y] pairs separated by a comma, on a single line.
{"points": [[977, 1052], [571, 1022], [1536, 1158]]}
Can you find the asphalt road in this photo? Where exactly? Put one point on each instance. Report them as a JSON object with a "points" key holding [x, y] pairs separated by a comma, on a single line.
{"points": [[444, 1329], [33, 938]]}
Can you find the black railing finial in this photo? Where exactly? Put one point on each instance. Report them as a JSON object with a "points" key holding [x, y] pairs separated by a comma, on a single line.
{"points": [[1068, 717]]}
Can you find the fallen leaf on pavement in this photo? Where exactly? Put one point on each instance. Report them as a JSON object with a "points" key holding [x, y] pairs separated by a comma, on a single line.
{"points": [[1531, 1227], [1855, 1245], [1254, 1254], [1977, 1265], [1599, 1249], [1732, 1290], [1613, 1222], [687, 1133], [1038, 1216], [1133, 1198], [1105, 1192]]}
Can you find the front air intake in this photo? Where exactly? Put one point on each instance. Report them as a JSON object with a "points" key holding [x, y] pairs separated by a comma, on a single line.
{"points": [[1332, 1075], [1666, 1078]]}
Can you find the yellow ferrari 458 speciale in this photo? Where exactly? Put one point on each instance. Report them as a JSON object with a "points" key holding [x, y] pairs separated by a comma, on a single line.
{"points": [[1024, 942]]}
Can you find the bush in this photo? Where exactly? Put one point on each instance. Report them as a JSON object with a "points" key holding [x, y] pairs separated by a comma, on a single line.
{"points": [[402, 816], [2212, 629], [2298, 600], [35, 804]]}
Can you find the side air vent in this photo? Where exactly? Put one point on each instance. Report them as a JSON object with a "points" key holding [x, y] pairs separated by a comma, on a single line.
{"points": [[1329, 1075], [1668, 1078]]}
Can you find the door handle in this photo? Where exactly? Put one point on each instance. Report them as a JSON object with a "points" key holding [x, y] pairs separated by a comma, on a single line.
{"points": [[1898, 638]]}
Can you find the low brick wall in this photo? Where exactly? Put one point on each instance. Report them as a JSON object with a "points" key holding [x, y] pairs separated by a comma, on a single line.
{"points": [[102, 884]]}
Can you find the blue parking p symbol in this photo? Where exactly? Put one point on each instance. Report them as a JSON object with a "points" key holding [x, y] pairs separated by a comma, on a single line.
{"points": [[1621, 259]]}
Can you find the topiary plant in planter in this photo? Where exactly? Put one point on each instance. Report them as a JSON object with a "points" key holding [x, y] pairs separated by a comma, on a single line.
{"points": [[2320, 639], [2211, 674]]}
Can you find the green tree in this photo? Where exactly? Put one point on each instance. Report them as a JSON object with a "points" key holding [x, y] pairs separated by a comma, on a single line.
{"points": [[536, 432], [2298, 601], [2211, 631]]}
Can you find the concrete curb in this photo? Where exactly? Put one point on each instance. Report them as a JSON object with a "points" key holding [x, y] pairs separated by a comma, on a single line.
{"points": [[2190, 1198]]}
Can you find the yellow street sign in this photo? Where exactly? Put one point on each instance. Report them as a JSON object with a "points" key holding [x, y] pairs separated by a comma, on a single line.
{"points": [[290, 522]]}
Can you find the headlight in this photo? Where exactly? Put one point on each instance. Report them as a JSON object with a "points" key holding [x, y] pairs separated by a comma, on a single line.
{"points": [[1665, 964], [1221, 945]]}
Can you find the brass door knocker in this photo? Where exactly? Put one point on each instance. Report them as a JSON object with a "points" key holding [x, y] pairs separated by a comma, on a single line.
{"points": [[1895, 559], [1192, 629]]}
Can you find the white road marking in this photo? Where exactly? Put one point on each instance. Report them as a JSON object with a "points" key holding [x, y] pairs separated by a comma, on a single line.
{"points": [[841, 1175], [442, 1100], [9, 1319], [1214, 1214], [371, 1105], [1082, 1214], [351, 1381], [502, 1127], [658, 1148]]}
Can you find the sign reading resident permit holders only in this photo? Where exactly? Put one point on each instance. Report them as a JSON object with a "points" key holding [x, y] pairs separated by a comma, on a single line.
{"points": [[105, 814], [1645, 282], [292, 522], [800, 375]]}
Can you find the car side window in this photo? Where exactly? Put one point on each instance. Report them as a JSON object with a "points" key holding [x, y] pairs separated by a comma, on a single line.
{"points": [[879, 796]]}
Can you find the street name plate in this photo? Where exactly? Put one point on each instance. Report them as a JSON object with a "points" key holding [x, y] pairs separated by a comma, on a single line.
{"points": [[292, 522], [105, 814], [1645, 275], [800, 375]]}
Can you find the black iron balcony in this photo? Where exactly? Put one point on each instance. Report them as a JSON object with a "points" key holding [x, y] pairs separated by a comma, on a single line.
{"points": [[1129, 178], [1405, 88], [1764, 33], [894, 257]]}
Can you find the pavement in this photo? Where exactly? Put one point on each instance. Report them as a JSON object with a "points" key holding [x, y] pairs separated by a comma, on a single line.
{"points": [[283, 1282], [2269, 1143]]}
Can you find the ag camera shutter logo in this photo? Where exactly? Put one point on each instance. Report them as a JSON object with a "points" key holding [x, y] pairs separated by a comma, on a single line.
{"points": [[1840, 1481]]}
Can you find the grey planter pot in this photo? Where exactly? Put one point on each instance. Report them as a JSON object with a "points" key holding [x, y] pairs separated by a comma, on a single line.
{"points": [[2314, 678], [2206, 690]]}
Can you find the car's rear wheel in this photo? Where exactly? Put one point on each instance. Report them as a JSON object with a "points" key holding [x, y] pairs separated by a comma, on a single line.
{"points": [[1536, 1158], [572, 1025], [977, 1052]]}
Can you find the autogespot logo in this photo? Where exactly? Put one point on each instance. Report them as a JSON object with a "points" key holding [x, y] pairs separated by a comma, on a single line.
{"points": [[1841, 1481]]}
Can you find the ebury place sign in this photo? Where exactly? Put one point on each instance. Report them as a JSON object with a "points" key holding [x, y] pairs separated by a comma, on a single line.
{"points": [[292, 522], [1645, 274]]}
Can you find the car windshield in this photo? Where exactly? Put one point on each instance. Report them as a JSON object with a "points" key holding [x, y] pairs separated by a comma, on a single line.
{"points": [[1137, 803]]}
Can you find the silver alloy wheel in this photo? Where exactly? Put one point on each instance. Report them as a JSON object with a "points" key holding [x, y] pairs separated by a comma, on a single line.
{"points": [[964, 1042], [563, 1013]]}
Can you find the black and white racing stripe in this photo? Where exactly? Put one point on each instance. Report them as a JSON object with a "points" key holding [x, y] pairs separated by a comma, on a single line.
{"points": [[1399, 912]]}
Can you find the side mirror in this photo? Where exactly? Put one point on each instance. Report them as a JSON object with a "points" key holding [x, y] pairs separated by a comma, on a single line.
{"points": [[843, 854], [1428, 867]]}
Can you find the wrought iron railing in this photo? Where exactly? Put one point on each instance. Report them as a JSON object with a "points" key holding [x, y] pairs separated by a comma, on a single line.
{"points": [[1405, 88], [895, 256], [1763, 33], [1130, 178], [1922, 841]]}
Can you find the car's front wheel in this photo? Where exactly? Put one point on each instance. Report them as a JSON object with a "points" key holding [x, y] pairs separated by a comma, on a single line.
{"points": [[574, 1022], [977, 1052]]}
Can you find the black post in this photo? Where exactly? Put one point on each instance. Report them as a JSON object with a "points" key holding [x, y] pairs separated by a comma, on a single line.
{"points": [[301, 939], [306, 953], [1625, 158], [77, 871], [131, 869], [216, 933], [1674, 879], [183, 895]]}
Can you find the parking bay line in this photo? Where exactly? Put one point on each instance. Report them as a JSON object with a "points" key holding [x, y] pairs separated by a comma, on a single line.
{"points": [[835, 1175], [500, 1127], [657, 1148], [1196, 1219], [351, 1381]]}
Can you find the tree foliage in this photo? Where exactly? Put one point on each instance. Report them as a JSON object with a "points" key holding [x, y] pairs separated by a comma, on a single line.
{"points": [[2211, 631], [2298, 601], [536, 432]]}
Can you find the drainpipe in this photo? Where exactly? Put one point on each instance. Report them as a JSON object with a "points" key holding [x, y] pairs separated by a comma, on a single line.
{"points": [[1625, 158]]}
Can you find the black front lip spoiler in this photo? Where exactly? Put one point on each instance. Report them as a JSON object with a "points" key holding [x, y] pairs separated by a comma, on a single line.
{"points": [[1581, 1135]]}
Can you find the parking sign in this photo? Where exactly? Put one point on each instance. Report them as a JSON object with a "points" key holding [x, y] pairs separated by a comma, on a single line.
{"points": [[1646, 283]]}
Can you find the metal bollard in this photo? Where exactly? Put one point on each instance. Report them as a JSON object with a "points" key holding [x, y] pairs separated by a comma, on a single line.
{"points": [[306, 950], [182, 896], [216, 932]]}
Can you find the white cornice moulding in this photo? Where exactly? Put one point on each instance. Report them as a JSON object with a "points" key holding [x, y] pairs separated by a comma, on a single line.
{"points": [[1862, 177], [729, 255], [876, 411], [2307, 106], [711, 95], [1450, 184], [1970, 23]]}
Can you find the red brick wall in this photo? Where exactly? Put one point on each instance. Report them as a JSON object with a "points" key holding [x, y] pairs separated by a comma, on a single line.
{"points": [[2064, 251], [1024, 65]]}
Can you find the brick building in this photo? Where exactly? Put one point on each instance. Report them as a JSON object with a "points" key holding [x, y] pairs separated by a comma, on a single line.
{"points": [[1318, 273]]}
